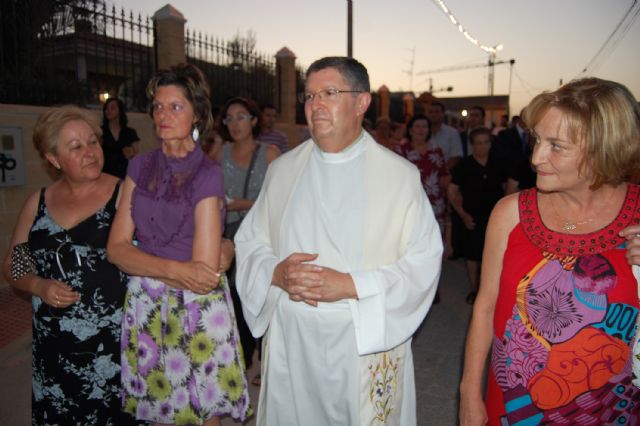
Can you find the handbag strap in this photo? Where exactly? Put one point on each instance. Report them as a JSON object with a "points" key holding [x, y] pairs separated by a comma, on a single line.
{"points": [[247, 178]]}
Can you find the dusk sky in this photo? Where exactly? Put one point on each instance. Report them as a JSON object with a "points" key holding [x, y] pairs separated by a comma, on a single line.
{"points": [[550, 40]]}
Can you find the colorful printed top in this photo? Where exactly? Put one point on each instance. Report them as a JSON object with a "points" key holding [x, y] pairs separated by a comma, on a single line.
{"points": [[564, 324], [432, 166]]}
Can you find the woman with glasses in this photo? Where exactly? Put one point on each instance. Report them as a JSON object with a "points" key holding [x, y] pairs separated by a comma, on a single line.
{"points": [[58, 255], [240, 120], [180, 358], [244, 163]]}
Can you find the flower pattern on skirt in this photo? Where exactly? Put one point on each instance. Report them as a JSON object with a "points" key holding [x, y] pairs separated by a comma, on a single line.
{"points": [[181, 360]]}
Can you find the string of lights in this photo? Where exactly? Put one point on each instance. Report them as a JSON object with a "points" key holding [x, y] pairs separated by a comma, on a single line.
{"points": [[468, 36]]}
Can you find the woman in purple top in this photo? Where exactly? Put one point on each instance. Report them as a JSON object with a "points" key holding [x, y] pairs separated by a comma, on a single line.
{"points": [[180, 358]]}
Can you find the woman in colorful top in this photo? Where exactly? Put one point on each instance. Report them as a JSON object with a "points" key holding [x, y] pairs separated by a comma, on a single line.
{"points": [[430, 161], [558, 301], [180, 356]]}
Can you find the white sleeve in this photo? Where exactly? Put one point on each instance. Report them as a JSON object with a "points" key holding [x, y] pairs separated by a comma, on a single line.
{"points": [[393, 300], [255, 262], [456, 145]]}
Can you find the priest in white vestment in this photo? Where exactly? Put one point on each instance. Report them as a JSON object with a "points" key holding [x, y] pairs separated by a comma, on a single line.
{"points": [[338, 263]]}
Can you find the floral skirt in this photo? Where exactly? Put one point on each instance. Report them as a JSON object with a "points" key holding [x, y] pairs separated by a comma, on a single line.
{"points": [[181, 360]]}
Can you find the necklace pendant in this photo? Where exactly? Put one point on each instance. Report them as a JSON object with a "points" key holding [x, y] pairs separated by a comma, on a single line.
{"points": [[568, 226]]}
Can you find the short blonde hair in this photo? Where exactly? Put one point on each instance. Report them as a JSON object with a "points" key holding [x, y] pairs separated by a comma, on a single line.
{"points": [[46, 132], [604, 118]]}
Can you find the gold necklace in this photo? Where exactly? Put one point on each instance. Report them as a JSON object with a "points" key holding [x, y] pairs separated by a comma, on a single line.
{"points": [[569, 225]]}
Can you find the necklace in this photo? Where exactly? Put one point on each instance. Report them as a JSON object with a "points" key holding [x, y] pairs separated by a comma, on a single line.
{"points": [[569, 225]]}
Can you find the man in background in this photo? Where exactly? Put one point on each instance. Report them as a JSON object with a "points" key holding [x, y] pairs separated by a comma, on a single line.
{"points": [[443, 135], [475, 119], [268, 132]]}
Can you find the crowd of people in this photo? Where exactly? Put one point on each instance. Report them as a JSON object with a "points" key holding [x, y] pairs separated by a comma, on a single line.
{"points": [[155, 276]]}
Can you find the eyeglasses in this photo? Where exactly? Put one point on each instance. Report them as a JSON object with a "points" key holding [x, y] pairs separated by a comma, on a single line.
{"points": [[324, 95], [239, 117]]}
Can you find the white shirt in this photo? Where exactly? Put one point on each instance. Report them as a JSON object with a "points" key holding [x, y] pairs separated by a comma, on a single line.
{"points": [[448, 139]]}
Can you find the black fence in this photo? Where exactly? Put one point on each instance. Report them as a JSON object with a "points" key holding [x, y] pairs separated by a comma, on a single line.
{"points": [[56, 52], [81, 51], [233, 68]]}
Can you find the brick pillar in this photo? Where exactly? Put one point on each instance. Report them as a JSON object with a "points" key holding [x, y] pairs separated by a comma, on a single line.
{"points": [[169, 37], [286, 85], [286, 92], [384, 102]]}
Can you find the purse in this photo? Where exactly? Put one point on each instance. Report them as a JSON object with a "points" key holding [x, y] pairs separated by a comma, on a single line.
{"points": [[22, 262], [231, 228]]}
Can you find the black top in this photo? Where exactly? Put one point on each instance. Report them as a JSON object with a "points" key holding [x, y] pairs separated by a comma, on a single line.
{"points": [[480, 186], [522, 171], [76, 350], [115, 163]]}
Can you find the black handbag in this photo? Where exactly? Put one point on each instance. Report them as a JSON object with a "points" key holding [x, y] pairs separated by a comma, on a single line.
{"points": [[230, 228]]}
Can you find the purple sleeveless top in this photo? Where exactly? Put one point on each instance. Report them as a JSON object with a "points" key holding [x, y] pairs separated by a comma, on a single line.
{"points": [[164, 201]]}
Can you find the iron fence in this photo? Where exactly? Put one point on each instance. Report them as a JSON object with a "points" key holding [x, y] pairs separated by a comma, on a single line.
{"points": [[81, 51], [74, 52], [232, 67]]}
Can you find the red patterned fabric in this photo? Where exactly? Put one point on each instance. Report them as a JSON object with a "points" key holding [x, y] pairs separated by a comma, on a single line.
{"points": [[564, 324]]}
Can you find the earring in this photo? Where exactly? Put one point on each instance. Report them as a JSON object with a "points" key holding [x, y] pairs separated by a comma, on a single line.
{"points": [[195, 134], [56, 165]]}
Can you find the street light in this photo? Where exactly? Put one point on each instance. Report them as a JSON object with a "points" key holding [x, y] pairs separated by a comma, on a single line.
{"points": [[492, 61]]}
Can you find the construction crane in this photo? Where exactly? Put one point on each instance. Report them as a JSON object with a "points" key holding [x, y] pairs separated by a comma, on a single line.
{"points": [[491, 64]]}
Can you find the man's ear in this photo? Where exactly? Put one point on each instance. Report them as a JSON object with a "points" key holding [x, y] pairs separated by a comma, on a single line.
{"points": [[364, 100]]}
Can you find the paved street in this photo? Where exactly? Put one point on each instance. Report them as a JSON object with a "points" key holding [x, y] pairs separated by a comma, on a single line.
{"points": [[437, 349]]}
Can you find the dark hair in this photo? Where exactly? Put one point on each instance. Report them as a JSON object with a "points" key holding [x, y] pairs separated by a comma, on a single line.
{"points": [[352, 71], [268, 106], [195, 87], [477, 132], [121, 110], [478, 108], [440, 105], [412, 122], [250, 106]]}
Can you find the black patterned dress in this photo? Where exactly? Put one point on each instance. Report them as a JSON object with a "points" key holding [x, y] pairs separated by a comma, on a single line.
{"points": [[76, 350]]}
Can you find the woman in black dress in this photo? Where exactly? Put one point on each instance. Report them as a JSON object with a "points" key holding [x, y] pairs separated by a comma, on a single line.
{"points": [[119, 141], [77, 294], [476, 186]]}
